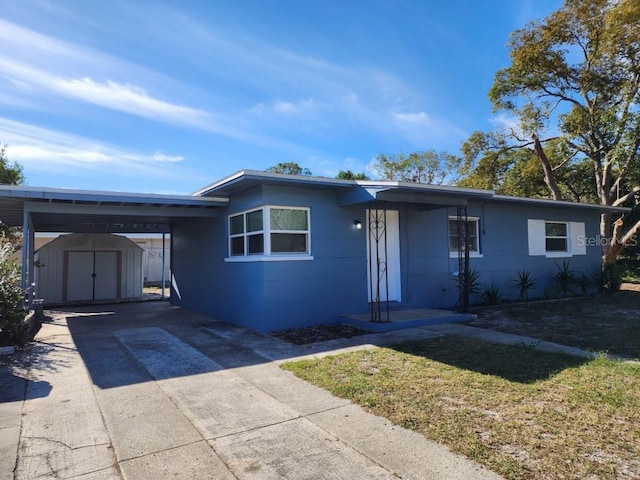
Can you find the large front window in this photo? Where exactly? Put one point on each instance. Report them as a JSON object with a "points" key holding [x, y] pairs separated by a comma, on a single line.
{"points": [[269, 231]]}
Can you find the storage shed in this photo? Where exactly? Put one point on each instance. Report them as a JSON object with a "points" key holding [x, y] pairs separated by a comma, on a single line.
{"points": [[86, 267]]}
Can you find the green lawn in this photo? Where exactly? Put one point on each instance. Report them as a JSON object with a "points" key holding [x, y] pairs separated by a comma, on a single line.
{"points": [[523, 413], [604, 323]]}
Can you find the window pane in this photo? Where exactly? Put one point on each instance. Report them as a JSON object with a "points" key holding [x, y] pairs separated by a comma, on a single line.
{"points": [[473, 227], [556, 244], [237, 224], [288, 243], [256, 243], [286, 219], [555, 229], [254, 221], [473, 243], [237, 246], [453, 243], [472, 239]]}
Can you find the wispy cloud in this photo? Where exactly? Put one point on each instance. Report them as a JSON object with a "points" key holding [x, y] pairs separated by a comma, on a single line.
{"points": [[128, 98], [40, 64], [41, 149]]}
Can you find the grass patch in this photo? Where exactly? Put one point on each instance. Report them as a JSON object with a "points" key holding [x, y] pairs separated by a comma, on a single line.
{"points": [[523, 413], [604, 323]]}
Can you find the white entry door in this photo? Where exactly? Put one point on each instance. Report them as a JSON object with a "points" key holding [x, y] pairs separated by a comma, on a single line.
{"points": [[92, 276], [383, 256]]}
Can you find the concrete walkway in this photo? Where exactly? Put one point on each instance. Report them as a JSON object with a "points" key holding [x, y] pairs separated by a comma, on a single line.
{"points": [[151, 391]]}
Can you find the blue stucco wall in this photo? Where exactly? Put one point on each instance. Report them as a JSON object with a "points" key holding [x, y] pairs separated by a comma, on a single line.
{"points": [[275, 295], [504, 248]]}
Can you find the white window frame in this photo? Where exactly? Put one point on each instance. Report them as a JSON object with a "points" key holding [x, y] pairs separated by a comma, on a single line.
{"points": [[266, 232], [472, 254], [537, 238], [566, 238]]}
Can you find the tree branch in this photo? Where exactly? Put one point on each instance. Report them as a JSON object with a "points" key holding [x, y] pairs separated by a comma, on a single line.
{"points": [[626, 197], [549, 177]]}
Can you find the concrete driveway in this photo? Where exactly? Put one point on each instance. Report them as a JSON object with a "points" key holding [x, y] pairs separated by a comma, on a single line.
{"points": [[152, 391]]}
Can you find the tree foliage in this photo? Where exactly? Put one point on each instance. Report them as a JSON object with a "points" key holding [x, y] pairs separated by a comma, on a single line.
{"points": [[573, 91], [10, 173], [13, 329], [429, 166], [289, 168], [349, 175]]}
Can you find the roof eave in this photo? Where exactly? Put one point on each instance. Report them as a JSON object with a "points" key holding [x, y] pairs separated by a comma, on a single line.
{"points": [[560, 203]]}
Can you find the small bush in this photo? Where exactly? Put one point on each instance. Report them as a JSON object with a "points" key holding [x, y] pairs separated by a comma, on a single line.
{"points": [[524, 282], [584, 282], [13, 329], [491, 294], [564, 278]]}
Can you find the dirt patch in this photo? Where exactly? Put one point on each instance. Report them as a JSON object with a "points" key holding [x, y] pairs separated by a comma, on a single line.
{"points": [[318, 333]]}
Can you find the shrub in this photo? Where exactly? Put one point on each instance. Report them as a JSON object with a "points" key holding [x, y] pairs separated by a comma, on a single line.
{"points": [[491, 294], [564, 278], [524, 282], [13, 329], [584, 282]]}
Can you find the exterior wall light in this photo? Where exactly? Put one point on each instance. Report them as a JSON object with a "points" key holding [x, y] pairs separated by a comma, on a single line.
{"points": [[357, 224]]}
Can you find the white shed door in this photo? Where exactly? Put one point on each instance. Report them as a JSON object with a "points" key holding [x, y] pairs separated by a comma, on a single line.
{"points": [[92, 275], [79, 276], [106, 275]]}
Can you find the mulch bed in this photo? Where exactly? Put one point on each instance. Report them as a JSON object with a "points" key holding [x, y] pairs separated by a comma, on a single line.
{"points": [[318, 333]]}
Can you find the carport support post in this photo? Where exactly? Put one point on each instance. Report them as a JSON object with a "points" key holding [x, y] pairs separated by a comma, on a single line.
{"points": [[163, 267], [32, 263], [27, 253]]}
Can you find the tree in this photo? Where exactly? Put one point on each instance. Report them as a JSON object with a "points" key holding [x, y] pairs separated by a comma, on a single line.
{"points": [[429, 166], [289, 168], [517, 171], [573, 86], [10, 174], [349, 175]]}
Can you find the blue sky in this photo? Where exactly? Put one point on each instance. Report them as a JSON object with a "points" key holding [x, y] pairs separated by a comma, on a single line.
{"points": [[170, 96]]}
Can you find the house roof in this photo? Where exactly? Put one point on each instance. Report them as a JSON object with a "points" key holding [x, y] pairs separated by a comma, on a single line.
{"points": [[67, 210], [361, 191]]}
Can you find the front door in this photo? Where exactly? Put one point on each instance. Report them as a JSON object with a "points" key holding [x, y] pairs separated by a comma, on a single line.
{"points": [[383, 248]]}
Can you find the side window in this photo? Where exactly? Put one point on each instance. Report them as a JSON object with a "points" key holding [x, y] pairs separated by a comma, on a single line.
{"points": [[289, 229], [457, 228], [246, 233], [555, 238], [270, 231]]}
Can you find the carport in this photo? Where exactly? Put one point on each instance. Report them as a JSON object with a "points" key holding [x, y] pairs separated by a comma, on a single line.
{"points": [[56, 210]]}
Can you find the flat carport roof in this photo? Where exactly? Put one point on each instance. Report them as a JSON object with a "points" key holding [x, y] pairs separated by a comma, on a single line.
{"points": [[85, 211], [38, 209]]}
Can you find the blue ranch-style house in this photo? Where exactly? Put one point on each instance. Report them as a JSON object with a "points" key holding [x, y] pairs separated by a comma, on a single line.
{"points": [[290, 251], [271, 251]]}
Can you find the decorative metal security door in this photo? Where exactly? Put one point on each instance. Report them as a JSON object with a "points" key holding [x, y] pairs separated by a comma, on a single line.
{"points": [[383, 245]]}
